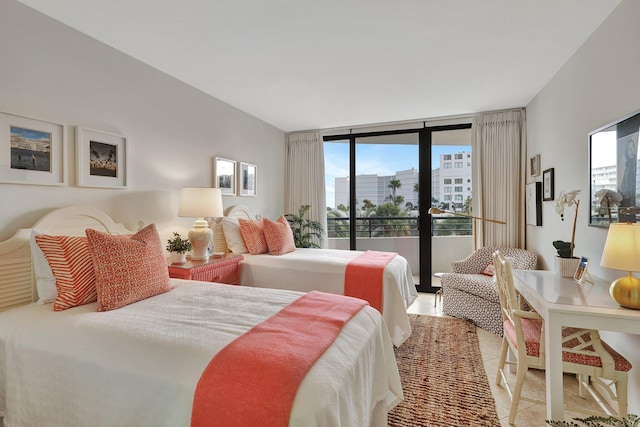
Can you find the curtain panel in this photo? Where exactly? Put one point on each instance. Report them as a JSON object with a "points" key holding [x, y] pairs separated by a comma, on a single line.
{"points": [[499, 150], [304, 177]]}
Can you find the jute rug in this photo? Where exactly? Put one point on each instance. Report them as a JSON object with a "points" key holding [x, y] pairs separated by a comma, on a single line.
{"points": [[443, 378]]}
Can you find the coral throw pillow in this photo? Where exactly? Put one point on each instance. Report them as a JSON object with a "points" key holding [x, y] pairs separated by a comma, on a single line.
{"points": [[279, 236], [253, 235], [128, 268], [70, 262], [489, 270]]}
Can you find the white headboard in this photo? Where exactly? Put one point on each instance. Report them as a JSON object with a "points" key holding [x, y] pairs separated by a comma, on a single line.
{"points": [[239, 211], [17, 284]]}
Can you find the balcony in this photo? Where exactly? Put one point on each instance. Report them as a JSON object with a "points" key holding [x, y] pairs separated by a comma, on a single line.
{"points": [[452, 238]]}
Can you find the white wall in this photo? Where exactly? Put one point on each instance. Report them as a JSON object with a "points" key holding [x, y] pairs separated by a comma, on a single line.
{"points": [[51, 72], [596, 86]]}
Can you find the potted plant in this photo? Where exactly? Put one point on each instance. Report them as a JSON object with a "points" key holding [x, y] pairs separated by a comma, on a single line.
{"points": [[566, 263], [178, 248], [305, 231]]}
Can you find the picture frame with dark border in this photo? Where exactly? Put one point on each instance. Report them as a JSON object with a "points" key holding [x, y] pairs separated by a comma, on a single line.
{"points": [[32, 151], [534, 203], [102, 159], [548, 185], [224, 176], [248, 179]]}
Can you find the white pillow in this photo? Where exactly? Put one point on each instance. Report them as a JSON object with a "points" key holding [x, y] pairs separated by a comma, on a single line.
{"points": [[45, 282], [232, 235], [219, 242]]}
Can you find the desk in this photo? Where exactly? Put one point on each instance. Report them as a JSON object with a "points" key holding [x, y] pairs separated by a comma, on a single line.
{"points": [[563, 302]]}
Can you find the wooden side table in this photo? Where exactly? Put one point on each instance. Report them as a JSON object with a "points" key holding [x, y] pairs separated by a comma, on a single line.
{"points": [[220, 269]]}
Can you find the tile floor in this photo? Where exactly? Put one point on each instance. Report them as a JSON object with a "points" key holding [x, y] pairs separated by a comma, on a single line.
{"points": [[529, 414]]}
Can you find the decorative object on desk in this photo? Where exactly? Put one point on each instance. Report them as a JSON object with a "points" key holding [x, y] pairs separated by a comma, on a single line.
{"points": [[630, 420], [609, 201], [565, 262], [437, 211], [178, 248], [582, 275], [306, 232], [200, 203], [547, 185], [622, 252]]}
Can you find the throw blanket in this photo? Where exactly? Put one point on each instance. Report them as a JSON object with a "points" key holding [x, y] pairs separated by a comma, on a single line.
{"points": [[363, 277], [254, 380]]}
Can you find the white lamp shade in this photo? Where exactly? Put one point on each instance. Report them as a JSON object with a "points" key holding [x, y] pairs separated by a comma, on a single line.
{"points": [[196, 202], [622, 247]]}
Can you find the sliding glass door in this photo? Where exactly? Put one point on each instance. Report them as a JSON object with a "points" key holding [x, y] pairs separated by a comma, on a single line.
{"points": [[377, 199]]}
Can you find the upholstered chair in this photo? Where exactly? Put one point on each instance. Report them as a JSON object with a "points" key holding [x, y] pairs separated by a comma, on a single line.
{"points": [[469, 291], [583, 352]]}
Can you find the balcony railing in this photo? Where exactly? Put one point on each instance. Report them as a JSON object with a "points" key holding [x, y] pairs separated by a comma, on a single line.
{"points": [[370, 227]]}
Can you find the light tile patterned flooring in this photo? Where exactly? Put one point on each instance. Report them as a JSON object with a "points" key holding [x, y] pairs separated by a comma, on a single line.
{"points": [[529, 414]]}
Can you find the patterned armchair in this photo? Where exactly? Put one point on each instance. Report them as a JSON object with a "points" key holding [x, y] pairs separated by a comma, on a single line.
{"points": [[467, 293]]}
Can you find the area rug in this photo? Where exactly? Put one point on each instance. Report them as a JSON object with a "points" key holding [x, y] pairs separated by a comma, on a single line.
{"points": [[443, 378]]}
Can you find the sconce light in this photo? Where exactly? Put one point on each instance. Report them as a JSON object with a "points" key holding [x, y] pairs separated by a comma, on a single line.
{"points": [[200, 203]]}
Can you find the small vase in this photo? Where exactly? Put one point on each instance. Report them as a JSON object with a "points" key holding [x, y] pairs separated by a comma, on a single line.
{"points": [[566, 267], [177, 258]]}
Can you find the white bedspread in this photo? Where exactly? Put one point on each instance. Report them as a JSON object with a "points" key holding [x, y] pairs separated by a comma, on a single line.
{"points": [[139, 365], [323, 270]]}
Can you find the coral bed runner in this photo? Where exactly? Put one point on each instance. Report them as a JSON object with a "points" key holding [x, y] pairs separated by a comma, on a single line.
{"points": [[254, 380], [363, 277]]}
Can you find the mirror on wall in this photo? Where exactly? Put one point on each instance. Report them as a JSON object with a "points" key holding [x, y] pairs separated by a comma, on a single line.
{"points": [[613, 166]]}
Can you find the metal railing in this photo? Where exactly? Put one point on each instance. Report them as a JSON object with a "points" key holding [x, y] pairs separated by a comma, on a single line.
{"points": [[371, 227]]}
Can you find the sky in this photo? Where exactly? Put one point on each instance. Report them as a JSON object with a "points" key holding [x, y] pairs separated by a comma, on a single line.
{"points": [[381, 159]]}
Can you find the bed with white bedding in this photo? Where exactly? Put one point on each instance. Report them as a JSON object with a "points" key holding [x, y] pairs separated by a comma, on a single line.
{"points": [[324, 270], [139, 364]]}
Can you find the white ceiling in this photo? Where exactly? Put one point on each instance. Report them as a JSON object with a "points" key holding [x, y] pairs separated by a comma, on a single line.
{"points": [[317, 64]]}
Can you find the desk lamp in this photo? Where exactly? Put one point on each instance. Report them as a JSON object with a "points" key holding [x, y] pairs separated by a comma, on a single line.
{"points": [[622, 252], [200, 203]]}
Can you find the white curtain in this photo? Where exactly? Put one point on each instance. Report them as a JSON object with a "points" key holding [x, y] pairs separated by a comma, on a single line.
{"points": [[304, 177], [499, 150]]}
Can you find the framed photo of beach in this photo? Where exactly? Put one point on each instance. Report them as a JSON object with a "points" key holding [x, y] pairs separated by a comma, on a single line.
{"points": [[248, 179], [32, 151], [102, 159], [225, 176]]}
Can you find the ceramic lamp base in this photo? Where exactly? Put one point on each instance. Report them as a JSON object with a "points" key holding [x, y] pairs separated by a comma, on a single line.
{"points": [[626, 292], [566, 267], [200, 236]]}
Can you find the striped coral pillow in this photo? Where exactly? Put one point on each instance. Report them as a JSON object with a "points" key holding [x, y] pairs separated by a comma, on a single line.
{"points": [[279, 236], [128, 268], [71, 265], [253, 235]]}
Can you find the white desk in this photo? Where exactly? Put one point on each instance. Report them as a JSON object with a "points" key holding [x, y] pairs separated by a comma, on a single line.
{"points": [[563, 302]]}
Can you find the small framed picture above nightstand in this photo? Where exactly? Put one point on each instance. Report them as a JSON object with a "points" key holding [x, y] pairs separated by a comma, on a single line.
{"points": [[219, 269]]}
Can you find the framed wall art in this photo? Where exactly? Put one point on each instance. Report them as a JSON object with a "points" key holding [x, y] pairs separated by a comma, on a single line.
{"points": [[225, 176], [102, 159], [613, 172], [32, 151], [547, 185], [534, 203], [248, 179], [534, 167]]}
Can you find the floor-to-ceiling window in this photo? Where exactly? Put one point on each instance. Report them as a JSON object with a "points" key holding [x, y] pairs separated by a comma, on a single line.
{"points": [[376, 197]]}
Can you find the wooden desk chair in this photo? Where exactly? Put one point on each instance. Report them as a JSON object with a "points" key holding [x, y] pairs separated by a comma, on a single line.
{"points": [[583, 354]]}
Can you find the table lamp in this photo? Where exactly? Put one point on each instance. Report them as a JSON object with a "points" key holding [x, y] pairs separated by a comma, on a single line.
{"points": [[622, 252], [200, 203]]}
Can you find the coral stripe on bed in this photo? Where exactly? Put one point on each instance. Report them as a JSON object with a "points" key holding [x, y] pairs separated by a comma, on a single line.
{"points": [[363, 277], [254, 380]]}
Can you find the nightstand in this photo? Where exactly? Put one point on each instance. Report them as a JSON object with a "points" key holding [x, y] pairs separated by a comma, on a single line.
{"points": [[220, 269]]}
